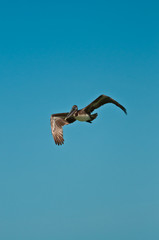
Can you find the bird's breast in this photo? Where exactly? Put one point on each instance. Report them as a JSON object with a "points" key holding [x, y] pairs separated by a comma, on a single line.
{"points": [[83, 117]]}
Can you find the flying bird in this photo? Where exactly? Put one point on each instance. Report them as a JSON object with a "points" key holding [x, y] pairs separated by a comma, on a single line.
{"points": [[84, 115]]}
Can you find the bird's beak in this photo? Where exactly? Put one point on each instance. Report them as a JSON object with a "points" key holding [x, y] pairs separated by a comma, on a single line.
{"points": [[71, 113]]}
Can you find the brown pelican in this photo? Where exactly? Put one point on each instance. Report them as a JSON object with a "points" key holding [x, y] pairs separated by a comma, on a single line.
{"points": [[61, 119]]}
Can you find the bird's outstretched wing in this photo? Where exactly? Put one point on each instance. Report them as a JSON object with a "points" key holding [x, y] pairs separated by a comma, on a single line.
{"points": [[57, 122], [101, 100]]}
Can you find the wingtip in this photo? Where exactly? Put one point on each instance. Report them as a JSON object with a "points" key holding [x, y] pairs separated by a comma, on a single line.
{"points": [[59, 143]]}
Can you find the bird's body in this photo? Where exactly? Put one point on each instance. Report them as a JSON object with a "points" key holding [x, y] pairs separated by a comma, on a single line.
{"points": [[82, 115]]}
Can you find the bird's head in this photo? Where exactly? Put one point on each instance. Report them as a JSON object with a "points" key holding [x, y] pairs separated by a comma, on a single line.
{"points": [[73, 111]]}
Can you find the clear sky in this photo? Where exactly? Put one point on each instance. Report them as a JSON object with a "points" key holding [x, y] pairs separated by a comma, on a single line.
{"points": [[103, 183]]}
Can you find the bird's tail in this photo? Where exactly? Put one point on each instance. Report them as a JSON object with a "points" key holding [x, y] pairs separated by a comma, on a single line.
{"points": [[93, 116]]}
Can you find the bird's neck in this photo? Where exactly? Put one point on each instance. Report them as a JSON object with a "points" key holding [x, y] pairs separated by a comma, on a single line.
{"points": [[76, 114]]}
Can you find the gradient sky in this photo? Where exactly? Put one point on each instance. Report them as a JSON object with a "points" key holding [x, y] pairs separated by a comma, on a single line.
{"points": [[103, 183]]}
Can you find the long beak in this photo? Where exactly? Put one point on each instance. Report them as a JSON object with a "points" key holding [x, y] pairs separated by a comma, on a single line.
{"points": [[71, 113]]}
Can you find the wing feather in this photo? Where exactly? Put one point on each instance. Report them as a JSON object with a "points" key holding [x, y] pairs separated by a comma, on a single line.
{"points": [[57, 122], [101, 100]]}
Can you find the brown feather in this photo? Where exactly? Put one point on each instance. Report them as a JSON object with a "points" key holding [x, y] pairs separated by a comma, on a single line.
{"points": [[101, 100], [57, 122], [60, 119]]}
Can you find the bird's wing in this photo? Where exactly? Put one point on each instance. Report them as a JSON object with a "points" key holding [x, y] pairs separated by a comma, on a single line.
{"points": [[101, 100], [57, 122]]}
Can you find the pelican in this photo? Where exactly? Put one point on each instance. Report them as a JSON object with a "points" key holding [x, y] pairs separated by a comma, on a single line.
{"points": [[84, 115]]}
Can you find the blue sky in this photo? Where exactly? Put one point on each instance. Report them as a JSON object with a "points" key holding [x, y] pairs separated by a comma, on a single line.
{"points": [[103, 182]]}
